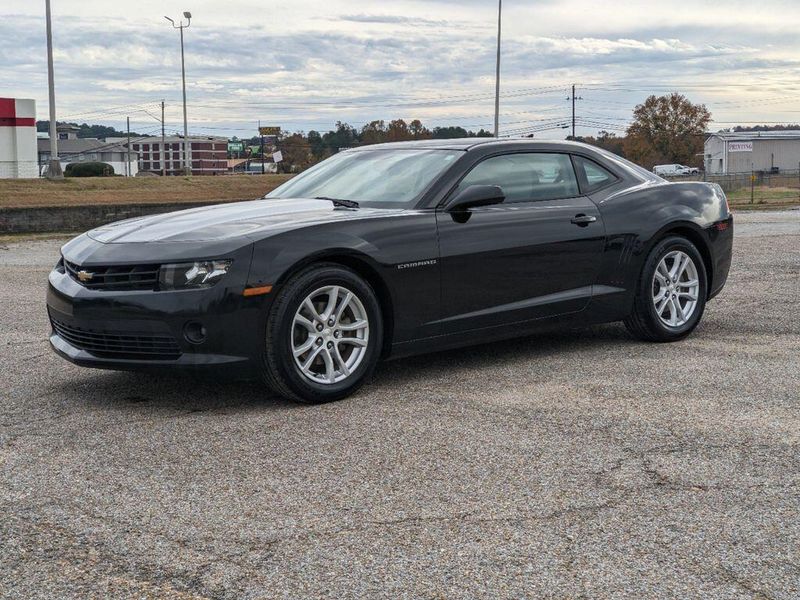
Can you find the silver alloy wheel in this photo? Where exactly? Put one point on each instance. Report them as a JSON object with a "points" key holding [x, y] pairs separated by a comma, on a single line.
{"points": [[330, 334], [676, 287]]}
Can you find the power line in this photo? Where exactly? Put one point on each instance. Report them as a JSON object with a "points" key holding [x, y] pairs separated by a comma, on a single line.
{"points": [[124, 109]]}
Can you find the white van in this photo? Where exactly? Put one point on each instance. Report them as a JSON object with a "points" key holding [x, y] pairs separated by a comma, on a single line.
{"points": [[675, 169]]}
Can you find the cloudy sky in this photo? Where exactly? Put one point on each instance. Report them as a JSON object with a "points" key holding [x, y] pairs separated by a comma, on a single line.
{"points": [[306, 64]]}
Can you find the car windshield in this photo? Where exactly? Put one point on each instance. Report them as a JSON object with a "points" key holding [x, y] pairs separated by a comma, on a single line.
{"points": [[387, 178]]}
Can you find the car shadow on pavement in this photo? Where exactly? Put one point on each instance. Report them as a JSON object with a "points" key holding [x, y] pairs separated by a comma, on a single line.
{"points": [[206, 393], [522, 349], [168, 391]]}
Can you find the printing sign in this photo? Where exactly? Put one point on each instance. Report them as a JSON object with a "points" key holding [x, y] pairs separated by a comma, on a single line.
{"points": [[740, 146]]}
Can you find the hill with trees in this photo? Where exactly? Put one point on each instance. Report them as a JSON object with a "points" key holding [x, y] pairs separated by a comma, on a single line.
{"points": [[87, 131]]}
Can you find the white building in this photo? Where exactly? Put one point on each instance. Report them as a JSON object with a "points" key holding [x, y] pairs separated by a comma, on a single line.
{"points": [[18, 139], [72, 149], [743, 152]]}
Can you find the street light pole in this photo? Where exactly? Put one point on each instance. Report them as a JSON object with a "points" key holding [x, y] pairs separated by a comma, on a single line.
{"points": [[163, 140], [497, 72], [128, 145], [54, 168], [187, 148]]}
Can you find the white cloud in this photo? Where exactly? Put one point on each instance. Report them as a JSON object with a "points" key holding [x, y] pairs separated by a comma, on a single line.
{"points": [[311, 63]]}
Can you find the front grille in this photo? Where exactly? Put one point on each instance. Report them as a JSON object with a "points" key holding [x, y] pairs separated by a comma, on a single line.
{"points": [[115, 277], [125, 345]]}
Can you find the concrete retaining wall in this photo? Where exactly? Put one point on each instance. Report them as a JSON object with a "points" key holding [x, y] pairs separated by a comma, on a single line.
{"points": [[80, 218]]}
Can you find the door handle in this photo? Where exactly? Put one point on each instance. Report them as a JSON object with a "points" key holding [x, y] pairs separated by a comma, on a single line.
{"points": [[582, 220]]}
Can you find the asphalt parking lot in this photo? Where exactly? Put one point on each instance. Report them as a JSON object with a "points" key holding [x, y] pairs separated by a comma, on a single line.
{"points": [[569, 465]]}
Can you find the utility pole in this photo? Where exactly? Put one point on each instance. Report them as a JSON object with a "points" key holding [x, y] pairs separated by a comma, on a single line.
{"points": [[263, 166], [573, 97], [128, 164], [163, 144], [54, 168], [573, 111], [187, 148], [497, 71]]}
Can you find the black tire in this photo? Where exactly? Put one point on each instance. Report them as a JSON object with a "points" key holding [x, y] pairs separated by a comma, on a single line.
{"points": [[643, 322], [279, 371]]}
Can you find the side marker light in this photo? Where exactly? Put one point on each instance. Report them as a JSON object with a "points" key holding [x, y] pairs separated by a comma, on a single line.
{"points": [[257, 291]]}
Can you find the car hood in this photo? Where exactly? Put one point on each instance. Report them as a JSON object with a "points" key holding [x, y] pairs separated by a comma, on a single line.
{"points": [[224, 221]]}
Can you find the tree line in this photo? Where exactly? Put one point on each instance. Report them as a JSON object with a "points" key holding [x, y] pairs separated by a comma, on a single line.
{"points": [[664, 129], [301, 150], [87, 131]]}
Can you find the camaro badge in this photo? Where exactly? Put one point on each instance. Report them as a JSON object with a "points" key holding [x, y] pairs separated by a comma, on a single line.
{"points": [[419, 263], [85, 275]]}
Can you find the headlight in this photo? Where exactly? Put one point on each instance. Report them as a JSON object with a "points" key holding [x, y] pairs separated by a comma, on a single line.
{"points": [[203, 273]]}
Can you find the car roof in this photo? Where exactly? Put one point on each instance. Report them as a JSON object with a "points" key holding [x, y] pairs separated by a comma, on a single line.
{"points": [[489, 145], [467, 144]]}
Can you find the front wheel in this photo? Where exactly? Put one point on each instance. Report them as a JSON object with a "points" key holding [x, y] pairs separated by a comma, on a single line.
{"points": [[671, 292], [323, 336]]}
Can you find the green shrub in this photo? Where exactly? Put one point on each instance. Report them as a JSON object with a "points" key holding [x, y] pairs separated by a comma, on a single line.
{"points": [[89, 169]]}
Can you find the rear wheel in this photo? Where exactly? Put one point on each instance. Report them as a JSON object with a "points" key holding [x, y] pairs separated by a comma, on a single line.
{"points": [[671, 292], [323, 335]]}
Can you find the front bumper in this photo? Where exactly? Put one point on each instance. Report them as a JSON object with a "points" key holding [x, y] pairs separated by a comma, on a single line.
{"points": [[157, 330]]}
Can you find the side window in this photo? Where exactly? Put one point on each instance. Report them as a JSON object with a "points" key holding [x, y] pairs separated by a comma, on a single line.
{"points": [[526, 177], [595, 176]]}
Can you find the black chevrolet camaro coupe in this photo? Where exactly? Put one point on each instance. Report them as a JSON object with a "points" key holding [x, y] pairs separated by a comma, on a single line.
{"points": [[391, 250]]}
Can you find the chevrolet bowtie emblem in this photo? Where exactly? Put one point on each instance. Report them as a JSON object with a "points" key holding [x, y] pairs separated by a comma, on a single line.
{"points": [[85, 275]]}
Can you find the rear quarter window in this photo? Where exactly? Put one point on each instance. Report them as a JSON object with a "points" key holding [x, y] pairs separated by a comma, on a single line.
{"points": [[593, 176]]}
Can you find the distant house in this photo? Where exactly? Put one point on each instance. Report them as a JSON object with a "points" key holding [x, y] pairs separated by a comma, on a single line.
{"points": [[72, 149], [742, 152], [255, 166], [67, 132], [237, 165]]}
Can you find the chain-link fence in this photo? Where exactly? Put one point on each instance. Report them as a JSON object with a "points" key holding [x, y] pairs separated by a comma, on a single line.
{"points": [[757, 187]]}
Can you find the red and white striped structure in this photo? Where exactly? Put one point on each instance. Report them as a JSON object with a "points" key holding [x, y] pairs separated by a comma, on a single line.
{"points": [[18, 154]]}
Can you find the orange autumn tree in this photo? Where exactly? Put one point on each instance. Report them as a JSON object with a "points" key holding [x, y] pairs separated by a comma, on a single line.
{"points": [[667, 129]]}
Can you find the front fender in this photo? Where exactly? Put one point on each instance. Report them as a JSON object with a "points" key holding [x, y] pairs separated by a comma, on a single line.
{"points": [[385, 246], [275, 259]]}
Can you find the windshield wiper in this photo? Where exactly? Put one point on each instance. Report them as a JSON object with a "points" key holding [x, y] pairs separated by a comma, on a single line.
{"points": [[339, 201]]}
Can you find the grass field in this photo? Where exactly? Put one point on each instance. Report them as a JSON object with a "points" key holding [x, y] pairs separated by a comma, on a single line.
{"points": [[76, 191], [764, 197]]}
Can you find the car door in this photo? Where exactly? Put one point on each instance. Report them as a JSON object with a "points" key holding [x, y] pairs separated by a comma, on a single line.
{"points": [[533, 256]]}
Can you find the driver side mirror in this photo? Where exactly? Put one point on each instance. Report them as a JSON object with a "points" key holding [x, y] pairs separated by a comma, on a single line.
{"points": [[476, 195]]}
